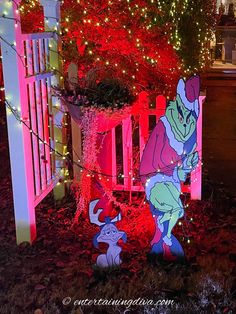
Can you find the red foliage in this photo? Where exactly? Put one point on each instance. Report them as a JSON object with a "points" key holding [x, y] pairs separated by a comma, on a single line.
{"points": [[29, 13], [120, 39]]}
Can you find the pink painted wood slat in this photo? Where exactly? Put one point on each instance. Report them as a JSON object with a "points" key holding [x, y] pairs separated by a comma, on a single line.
{"points": [[127, 152], [35, 152], [40, 133], [41, 55], [29, 57], [36, 56], [46, 129], [113, 159], [51, 123], [47, 54]]}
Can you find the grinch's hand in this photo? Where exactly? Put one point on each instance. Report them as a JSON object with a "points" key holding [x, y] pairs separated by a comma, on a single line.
{"points": [[190, 162], [182, 174], [194, 160]]}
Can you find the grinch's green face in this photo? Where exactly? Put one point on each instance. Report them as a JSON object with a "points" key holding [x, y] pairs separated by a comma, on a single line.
{"points": [[182, 121]]}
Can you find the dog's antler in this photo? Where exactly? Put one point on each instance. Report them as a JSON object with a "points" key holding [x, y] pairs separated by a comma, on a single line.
{"points": [[117, 218], [94, 216]]}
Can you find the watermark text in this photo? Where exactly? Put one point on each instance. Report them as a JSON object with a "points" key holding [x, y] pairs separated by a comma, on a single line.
{"points": [[117, 302]]}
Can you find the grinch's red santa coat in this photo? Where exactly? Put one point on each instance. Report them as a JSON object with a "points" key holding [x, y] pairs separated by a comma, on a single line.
{"points": [[163, 153], [161, 157]]}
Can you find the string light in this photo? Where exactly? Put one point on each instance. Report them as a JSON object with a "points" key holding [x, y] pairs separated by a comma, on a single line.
{"points": [[66, 156], [149, 59]]}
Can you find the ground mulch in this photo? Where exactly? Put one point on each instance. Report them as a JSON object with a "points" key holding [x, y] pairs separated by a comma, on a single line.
{"points": [[60, 263]]}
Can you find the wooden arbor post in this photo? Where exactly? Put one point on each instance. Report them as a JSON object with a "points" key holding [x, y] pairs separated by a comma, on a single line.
{"points": [[51, 10], [18, 134], [75, 129], [196, 175]]}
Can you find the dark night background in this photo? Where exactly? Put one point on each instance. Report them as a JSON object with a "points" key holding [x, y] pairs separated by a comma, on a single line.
{"points": [[60, 263]]}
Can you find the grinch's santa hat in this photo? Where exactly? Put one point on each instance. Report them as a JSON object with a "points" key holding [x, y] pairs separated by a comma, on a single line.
{"points": [[189, 93]]}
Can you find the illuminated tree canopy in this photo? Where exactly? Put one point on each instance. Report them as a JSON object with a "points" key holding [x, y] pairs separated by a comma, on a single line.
{"points": [[147, 44]]}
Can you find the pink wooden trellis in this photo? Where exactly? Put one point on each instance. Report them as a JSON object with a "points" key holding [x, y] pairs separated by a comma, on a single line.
{"points": [[129, 181], [29, 64]]}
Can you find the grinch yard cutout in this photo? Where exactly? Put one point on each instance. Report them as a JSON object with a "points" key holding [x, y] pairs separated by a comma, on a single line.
{"points": [[169, 155], [108, 234]]}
